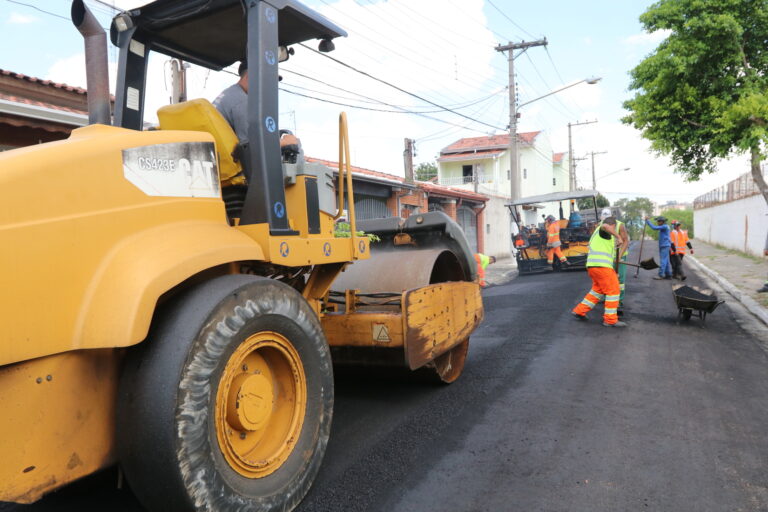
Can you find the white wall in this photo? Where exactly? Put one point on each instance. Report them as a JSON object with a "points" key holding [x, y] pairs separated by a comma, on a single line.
{"points": [[740, 225], [499, 241]]}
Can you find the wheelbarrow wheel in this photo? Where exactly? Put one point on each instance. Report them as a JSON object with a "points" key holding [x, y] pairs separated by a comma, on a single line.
{"points": [[687, 314]]}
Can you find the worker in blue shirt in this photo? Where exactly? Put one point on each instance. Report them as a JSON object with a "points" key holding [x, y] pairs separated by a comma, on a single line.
{"points": [[665, 267]]}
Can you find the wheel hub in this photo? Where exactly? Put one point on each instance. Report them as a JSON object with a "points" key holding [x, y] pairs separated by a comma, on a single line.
{"points": [[250, 403]]}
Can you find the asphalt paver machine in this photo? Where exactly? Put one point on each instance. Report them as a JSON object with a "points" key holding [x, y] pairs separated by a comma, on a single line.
{"points": [[530, 240], [171, 298]]}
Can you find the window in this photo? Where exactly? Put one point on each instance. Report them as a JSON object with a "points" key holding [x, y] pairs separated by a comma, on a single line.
{"points": [[466, 172], [525, 174], [488, 229], [554, 181], [509, 174]]}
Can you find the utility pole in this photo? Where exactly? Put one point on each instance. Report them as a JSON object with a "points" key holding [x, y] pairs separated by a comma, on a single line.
{"points": [[571, 166], [514, 172], [593, 153], [408, 160]]}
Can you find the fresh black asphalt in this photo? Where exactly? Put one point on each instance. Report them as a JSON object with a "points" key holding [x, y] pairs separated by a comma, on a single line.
{"points": [[551, 414]]}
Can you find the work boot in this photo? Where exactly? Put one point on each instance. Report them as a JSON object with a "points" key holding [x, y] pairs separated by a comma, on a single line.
{"points": [[620, 311], [617, 324], [565, 263], [764, 289], [579, 317], [658, 278], [683, 278]]}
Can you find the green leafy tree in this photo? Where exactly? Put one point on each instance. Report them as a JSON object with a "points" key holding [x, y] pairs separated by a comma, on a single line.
{"points": [[425, 171], [703, 93], [633, 213], [586, 202]]}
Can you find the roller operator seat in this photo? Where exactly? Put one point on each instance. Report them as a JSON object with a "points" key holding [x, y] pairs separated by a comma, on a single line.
{"points": [[200, 115]]}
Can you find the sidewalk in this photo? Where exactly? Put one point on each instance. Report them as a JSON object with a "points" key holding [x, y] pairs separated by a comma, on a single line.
{"points": [[739, 274], [503, 271]]}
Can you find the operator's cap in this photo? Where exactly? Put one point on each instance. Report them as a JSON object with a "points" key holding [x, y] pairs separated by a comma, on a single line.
{"points": [[660, 218], [605, 213]]}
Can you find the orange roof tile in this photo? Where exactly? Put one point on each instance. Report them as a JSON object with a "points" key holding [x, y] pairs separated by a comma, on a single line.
{"points": [[488, 142], [70, 88], [558, 157]]}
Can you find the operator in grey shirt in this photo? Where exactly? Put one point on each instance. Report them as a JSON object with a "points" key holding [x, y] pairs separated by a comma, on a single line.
{"points": [[232, 103]]}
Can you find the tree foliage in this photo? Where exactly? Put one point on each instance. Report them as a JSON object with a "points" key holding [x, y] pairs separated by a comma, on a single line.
{"points": [[586, 203], [633, 213], [425, 171], [703, 93]]}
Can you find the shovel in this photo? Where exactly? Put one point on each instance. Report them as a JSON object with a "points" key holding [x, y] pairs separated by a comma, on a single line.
{"points": [[648, 264], [642, 239]]}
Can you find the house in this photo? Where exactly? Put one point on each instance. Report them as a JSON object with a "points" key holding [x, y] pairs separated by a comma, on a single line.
{"points": [[481, 164], [33, 111]]}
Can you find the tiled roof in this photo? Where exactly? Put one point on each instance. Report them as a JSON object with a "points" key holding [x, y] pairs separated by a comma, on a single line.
{"points": [[441, 190], [431, 188], [487, 142], [27, 101], [32, 79], [558, 157]]}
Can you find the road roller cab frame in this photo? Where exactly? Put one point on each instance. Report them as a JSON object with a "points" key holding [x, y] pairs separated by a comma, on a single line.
{"points": [[167, 294], [531, 244]]}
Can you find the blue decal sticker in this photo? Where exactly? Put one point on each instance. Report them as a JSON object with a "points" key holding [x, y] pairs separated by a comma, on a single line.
{"points": [[284, 250], [327, 248], [271, 14], [362, 247], [270, 124], [269, 56], [279, 210]]}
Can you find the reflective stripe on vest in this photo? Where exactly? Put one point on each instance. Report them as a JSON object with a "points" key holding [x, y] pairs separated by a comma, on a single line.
{"points": [[678, 240], [601, 251]]}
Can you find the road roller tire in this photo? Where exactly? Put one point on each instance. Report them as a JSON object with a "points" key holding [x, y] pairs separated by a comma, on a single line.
{"points": [[227, 405]]}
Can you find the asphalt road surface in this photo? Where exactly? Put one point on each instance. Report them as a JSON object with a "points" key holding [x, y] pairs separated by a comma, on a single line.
{"points": [[551, 414]]}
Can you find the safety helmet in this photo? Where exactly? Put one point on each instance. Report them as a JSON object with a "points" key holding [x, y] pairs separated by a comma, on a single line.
{"points": [[550, 218], [605, 213]]}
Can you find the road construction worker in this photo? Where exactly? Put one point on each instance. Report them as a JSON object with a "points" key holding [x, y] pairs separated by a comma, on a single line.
{"points": [[553, 241], [482, 262], [679, 239], [665, 268], [600, 267], [623, 240]]}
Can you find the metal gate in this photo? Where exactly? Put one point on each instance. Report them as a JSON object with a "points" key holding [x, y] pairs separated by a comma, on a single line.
{"points": [[369, 207], [467, 219]]}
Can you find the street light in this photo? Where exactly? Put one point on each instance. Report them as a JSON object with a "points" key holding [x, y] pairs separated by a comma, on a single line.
{"points": [[614, 172], [514, 174], [591, 81]]}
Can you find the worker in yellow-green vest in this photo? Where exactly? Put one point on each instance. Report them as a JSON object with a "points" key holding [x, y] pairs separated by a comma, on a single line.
{"points": [[600, 267], [482, 262], [621, 229]]}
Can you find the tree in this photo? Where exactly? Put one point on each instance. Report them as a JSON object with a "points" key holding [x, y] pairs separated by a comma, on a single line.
{"points": [[633, 213], [586, 203], [425, 171], [702, 94]]}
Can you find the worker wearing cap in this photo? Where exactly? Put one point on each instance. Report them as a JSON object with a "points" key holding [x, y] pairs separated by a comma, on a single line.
{"points": [[553, 241], [665, 268], [482, 262], [623, 241], [605, 282], [679, 239]]}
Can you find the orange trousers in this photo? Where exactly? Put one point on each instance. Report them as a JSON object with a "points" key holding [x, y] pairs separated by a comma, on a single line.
{"points": [[605, 285], [554, 251]]}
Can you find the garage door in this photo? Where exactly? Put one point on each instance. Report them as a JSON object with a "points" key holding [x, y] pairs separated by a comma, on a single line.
{"points": [[467, 219], [369, 207]]}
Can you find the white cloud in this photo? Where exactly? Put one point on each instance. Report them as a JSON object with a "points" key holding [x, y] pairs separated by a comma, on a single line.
{"points": [[21, 19], [647, 38]]}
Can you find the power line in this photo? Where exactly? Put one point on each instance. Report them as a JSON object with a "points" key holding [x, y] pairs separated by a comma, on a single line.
{"points": [[399, 88], [38, 9], [510, 19]]}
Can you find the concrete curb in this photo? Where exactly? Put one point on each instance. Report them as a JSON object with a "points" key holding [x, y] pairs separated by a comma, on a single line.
{"points": [[747, 301]]}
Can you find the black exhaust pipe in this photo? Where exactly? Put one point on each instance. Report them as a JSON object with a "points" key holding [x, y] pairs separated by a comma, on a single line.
{"points": [[97, 73]]}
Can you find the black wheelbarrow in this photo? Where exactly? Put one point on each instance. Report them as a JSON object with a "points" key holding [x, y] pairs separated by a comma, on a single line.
{"points": [[692, 299]]}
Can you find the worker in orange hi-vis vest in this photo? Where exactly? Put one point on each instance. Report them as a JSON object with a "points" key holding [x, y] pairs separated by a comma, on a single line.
{"points": [[482, 262], [553, 241], [679, 239]]}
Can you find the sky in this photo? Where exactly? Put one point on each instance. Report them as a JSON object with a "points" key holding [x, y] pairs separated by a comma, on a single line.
{"points": [[442, 53]]}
